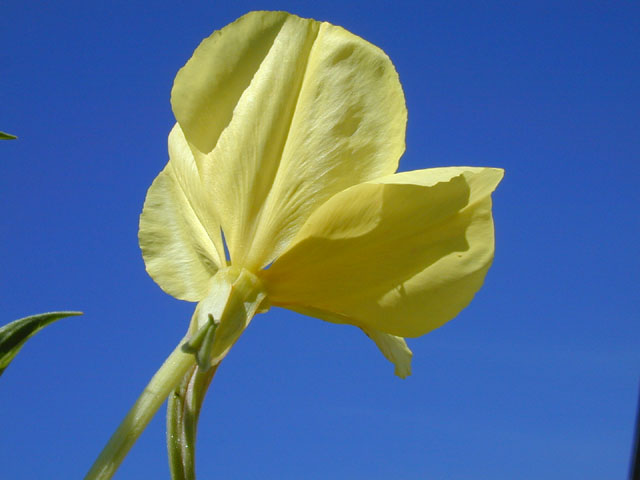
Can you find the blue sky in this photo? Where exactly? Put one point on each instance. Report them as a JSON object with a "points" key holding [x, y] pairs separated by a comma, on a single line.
{"points": [[538, 378]]}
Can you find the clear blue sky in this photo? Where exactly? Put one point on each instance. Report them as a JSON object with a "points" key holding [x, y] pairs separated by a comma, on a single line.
{"points": [[538, 378]]}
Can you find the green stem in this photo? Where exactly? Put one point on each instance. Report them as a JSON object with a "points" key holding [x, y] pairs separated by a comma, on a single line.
{"points": [[183, 410], [163, 382], [175, 419]]}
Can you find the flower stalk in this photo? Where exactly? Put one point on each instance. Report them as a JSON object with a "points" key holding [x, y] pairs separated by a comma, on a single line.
{"points": [[234, 297], [166, 379]]}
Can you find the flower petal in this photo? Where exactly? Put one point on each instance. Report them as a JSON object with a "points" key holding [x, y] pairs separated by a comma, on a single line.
{"points": [[284, 112], [179, 237], [207, 89], [402, 254]]}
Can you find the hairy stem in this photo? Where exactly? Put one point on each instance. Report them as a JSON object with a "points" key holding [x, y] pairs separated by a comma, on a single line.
{"points": [[183, 410]]}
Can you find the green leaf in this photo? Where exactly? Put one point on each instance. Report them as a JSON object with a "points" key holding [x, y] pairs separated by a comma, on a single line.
{"points": [[14, 334], [7, 136]]}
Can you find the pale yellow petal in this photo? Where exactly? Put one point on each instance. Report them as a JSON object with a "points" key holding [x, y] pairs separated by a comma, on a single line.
{"points": [[179, 237], [207, 89], [402, 254], [285, 112], [241, 168], [348, 127]]}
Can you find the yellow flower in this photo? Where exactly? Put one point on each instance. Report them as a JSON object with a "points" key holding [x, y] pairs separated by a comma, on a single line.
{"points": [[288, 135]]}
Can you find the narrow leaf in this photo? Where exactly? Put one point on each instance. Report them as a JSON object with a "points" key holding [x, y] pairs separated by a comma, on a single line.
{"points": [[14, 334], [7, 136]]}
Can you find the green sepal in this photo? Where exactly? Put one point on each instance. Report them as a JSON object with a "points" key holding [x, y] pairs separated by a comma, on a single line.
{"points": [[235, 296], [201, 344], [15, 334], [7, 136]]}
